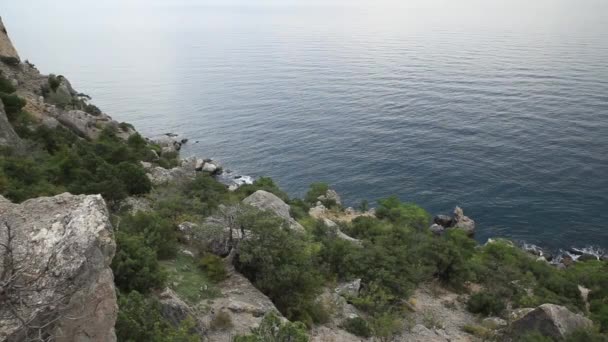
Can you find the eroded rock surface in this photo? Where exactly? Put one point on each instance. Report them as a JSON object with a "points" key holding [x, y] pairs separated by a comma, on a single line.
{"points": [[550, 320], [7, 49], [63, 246]]}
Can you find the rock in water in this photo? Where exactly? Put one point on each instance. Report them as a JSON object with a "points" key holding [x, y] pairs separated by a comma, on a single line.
{"points": [[266, 201], [550, 320], [64, 245], [463, 222], [443, 220]]}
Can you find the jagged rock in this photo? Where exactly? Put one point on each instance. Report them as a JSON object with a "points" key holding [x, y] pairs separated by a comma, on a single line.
{"points": [[519, 313], [210, 167], [349, 289], [168, 144], [331, 195], [175, 310], [587, 257], [65, 245], [8, 137], [443, 220], [437, 229], [267, 201], [463, 222], [550, 320], [7, 49]]}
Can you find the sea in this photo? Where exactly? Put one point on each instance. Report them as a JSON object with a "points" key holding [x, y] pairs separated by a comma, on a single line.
{"points": [[497, 106]]}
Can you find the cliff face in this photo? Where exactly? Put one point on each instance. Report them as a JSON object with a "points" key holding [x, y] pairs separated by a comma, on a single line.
{"points": [[6, 46], [55, 276]]}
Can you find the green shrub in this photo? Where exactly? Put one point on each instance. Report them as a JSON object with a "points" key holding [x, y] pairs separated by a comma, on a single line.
{"points": [[213, 266], [139, 320], [315, 190], [134, 178], [406, 214], [12, 105], [135, 265], [357, 326], [10, 61], [280, 263], [271, 329], [5, 85], [92, 109], [486, 303], [158, 233], [54, 82]]}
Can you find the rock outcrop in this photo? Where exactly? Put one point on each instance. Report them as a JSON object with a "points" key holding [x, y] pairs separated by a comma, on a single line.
{"points": [[550, 320], [59, 250], [458, 221], [8, 137], [7, 49], [267, 201], [242, 302]]}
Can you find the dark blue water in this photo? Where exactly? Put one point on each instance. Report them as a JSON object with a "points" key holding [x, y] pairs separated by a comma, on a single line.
{"points": [[500, 107]]}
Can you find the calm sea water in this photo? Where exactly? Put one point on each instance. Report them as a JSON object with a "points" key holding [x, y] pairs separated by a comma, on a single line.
{"points": [[500, 107]]}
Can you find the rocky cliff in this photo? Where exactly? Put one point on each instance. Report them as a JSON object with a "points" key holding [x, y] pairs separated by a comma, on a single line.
{"points": [[6, 46], [55, 276]]}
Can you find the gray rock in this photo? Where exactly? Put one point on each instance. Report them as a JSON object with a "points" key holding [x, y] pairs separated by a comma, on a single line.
{"points": [[175, 310], [443, 220], [437, 229], [267, 201], [493, 323], [66, 241], [168, 144], [210, 167], [349, 289], [463, 222], [187, 229], [199, 165], [8, 137], [332, 195], [550, 320]]}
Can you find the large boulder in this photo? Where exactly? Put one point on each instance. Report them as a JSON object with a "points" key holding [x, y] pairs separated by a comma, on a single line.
{"points": [[550, 320], [7, 49], [239, 300], [267, 201], [61, 248]]}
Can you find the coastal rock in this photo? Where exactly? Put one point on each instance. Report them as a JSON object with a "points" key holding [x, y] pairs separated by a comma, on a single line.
{"points": [[463, 222], [65, 244], [443, 220], [267, 201], [331, 195], [210, 167], [550, 320], [7, 49], [199, 165], [168, 144]]}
